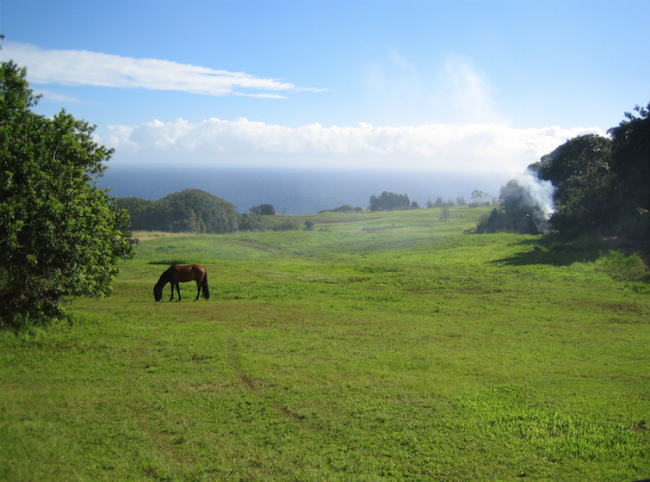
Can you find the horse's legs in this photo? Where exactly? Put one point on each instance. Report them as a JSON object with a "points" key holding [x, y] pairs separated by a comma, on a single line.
{"points": [[178, 289], [198, 287]]}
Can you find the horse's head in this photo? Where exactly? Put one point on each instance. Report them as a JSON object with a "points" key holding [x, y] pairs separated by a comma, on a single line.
{"points": [[157, 292]]}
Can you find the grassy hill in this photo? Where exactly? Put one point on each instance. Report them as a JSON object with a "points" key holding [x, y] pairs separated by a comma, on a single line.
{"points": [[377, 346]]}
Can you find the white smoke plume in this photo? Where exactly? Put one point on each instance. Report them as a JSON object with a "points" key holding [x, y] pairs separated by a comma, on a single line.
{"points": [[539, 198]]}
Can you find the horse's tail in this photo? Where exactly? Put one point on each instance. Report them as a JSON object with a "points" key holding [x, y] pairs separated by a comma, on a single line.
{"points": [[204, 287]]}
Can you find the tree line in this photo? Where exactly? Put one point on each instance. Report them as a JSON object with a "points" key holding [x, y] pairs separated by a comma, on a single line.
{"points": [[196, 211], [390, 201]]}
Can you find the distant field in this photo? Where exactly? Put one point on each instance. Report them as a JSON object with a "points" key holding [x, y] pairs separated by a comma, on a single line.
{"points": [[377, 346]]}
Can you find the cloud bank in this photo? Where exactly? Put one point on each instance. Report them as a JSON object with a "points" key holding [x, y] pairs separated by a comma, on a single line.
{"points": [[81, 67], [484, 145], [468, 148]]}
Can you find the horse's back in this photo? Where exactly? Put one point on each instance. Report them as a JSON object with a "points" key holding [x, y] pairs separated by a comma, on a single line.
{"points": [[190, 272]]}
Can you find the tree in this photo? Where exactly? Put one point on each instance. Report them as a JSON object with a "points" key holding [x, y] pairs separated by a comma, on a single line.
{"points": [[211, 214], [445, 213], [630, 163], [518, 212], [389, 200], [59, 234], [584, 184], [480, 198], [263, 209], [190, 210], [142, 212]]}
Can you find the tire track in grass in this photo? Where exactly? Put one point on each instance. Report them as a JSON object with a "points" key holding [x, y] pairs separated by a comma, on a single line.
{"points": [[248, 382], [163, 444], [251, 386]]}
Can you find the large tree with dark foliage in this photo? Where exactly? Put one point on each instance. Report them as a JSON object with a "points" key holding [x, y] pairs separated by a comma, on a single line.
{"points": [[602, 184], [59, 236], [580, 170], [630, 165]]}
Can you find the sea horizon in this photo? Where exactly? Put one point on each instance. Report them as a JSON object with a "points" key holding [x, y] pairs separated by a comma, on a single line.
{"points": [[293, 191]]}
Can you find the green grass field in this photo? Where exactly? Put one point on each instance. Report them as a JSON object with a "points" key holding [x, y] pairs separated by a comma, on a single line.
{"points": [[378, 346]]}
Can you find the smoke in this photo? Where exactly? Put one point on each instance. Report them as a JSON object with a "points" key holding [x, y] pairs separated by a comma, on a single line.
{"points": [[538, 196]]}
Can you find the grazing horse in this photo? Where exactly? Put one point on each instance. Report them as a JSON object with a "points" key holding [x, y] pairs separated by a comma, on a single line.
{"points": [[180, 274], [135, 241]]}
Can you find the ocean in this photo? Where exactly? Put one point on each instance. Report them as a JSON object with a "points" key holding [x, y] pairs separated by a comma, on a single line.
{"points": [[296, 191]]}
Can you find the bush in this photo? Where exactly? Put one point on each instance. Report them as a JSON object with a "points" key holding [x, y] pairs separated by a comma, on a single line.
{"points": [[286, 225], [253, 222], [346, 208], [624, 268]]}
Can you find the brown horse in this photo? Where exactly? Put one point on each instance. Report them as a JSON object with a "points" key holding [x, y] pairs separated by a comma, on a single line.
{"points": [[180, 274]]}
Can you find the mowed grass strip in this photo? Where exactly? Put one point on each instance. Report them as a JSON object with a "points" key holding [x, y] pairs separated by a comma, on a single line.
{"points": [[390, 346]]}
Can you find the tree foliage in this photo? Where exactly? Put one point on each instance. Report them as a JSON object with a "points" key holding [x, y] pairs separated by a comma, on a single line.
{"points": [[601, 184], [630, 165], [190, 210], [388, 201], [59, 235], [253, 222], [518, 212], [263, 210], [584, 184], [445, 213], [480, 198], [346, 208]]}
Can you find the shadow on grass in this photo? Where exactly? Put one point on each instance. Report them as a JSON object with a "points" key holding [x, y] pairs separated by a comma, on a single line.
{"points": [[555, 251]]}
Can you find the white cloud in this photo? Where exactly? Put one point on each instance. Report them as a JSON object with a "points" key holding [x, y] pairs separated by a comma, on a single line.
{"points": [[468, 148], [81, 67], [52, 96]]}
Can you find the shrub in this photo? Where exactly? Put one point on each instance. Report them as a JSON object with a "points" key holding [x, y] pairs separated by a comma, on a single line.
{"points": [[624, 268], [286, 225], [253, 222]]}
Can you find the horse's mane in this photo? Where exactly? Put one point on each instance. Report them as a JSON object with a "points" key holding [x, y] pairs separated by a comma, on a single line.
{"points": [[164, 277]]}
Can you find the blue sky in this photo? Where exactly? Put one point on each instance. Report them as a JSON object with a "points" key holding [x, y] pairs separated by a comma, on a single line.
{"points": [[443, 86]]}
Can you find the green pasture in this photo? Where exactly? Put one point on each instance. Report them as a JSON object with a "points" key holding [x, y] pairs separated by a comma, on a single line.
{"points": [[377, 346]]}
